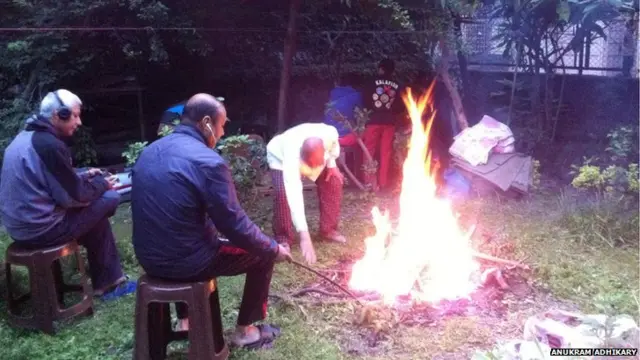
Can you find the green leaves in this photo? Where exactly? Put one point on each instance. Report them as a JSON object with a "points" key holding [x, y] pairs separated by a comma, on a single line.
{"points": [[563, 10]]}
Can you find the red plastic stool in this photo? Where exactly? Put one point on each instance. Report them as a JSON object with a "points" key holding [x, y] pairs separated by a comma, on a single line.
{"points": [[153, 322], [47, 287]]}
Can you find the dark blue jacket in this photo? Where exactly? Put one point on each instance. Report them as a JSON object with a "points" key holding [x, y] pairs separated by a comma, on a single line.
{"points": [[178, 184], [38, 183], [343, 99]]}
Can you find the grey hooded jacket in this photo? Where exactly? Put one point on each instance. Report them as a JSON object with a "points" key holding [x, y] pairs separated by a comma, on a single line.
{"points": [[38, 183]]}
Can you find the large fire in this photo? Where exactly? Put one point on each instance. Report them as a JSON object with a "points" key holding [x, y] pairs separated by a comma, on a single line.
{"points": [[426, 256]]}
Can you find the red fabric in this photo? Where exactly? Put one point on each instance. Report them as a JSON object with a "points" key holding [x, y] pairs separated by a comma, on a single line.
{"points": [[231, 250], [348, 140], [232, 261], [378, 139], [282, 223], [329, 198]]}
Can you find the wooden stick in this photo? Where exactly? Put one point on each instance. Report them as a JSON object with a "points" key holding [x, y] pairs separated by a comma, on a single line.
{"points": [[350, 175], [338, 286], [482, 256]]}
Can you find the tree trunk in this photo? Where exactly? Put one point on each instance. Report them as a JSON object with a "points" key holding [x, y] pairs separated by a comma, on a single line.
{"points": [[287, 61], [514, 81], [443, 72], [462, 61]]}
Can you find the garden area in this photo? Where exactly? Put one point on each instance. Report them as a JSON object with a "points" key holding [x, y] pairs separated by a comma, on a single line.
{"points": [[557, 235], [570, 242]]}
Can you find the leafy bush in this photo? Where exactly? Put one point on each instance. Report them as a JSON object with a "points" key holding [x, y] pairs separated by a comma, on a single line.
{"points": [[12, 117], [536, 174], [246, 155], [133, 152], [84, 149], [615, 174]]}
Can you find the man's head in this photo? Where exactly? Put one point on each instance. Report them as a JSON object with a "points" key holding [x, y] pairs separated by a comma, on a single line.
{"points": [[62, 108], [386, 67], [312, 152], [207, 114]]}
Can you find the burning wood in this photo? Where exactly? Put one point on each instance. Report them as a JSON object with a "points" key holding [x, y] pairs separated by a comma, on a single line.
{"points": [[420, 267], [400, 259]]}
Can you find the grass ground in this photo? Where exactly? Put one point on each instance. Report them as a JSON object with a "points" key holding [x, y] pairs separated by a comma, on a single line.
{"points": [[566, 242]]}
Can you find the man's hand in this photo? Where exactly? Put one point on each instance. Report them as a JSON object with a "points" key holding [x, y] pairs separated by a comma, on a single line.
{"points": [[331, 172], [93, 172], [112, 180], [306, 246], [284, 254]]}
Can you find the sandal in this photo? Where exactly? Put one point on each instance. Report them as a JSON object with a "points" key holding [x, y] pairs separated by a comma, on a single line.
{"points": [[268, 333]]}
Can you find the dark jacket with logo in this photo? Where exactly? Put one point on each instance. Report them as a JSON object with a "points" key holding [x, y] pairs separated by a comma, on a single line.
{"points": [[38, 183], [182, 194], [384, 100]]}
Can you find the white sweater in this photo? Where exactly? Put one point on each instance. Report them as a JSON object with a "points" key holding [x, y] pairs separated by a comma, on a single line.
{"points": [[283, 153]]}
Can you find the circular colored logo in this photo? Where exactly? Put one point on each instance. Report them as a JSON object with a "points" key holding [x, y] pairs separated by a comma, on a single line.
{"points": [[375, 96], [378, 103], [379, 91]]}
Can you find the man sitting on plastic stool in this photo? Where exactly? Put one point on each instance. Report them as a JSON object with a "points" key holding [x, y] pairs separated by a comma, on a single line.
{"points": [[44, 202]]}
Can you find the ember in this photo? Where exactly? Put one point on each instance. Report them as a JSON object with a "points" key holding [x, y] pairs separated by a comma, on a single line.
{"points": [[427, 257]]}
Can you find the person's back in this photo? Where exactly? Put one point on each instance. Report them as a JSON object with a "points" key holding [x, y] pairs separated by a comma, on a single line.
{"points": [[28, 208], [179, 183], [383, 95], [38, 184], [169, 236], [343, 98]]}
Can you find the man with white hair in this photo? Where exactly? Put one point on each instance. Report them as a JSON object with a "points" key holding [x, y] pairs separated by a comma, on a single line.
{"points": [[44, 202]]}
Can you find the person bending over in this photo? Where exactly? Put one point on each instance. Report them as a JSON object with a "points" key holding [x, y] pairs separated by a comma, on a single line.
{"points": [[307, 150]]}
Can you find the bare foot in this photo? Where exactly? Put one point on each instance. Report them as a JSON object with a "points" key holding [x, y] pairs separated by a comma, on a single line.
{"points": [[335, 237], [182, 325], [244, 335]]}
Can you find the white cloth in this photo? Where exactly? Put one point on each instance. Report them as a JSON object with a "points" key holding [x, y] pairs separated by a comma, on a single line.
{"points": [[474, 144], [283, 153]]}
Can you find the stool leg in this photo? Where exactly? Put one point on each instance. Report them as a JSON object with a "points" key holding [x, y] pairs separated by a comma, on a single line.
{"points": [[141, 341], [11, 303], [159, 327], [206, 339], [58, 279], [216, 321], [200, 326], [87, 291], [44, 295]]}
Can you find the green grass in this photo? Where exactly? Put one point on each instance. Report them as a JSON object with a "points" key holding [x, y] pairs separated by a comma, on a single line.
{"points": [[569, 261]]}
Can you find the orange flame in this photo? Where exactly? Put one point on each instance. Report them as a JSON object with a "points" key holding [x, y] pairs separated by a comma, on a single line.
{"points": [[426, 256]]}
